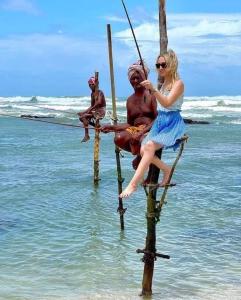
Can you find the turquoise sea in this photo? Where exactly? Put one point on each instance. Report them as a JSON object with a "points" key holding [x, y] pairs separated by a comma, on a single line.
{"points": [[60, 236]]}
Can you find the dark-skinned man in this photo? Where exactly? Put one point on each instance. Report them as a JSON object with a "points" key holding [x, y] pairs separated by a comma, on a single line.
{"points": [[141, 112], [96, 109]]}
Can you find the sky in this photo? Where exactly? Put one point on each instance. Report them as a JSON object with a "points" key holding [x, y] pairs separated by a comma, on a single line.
{"points": [[52, 47]]}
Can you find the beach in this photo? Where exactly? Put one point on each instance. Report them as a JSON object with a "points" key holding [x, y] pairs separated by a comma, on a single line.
{"points": [[60, 235]]}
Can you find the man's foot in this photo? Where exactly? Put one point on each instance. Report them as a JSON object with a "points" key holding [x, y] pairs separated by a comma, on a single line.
{"points": [[128, 191], [85, 139], [166, 175]]}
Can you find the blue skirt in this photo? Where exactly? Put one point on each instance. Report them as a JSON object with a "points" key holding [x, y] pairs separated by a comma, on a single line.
{"points": [[167, 129]]}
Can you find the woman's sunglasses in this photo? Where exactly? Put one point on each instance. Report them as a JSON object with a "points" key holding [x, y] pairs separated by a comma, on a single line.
{"points": [[163, 65]]}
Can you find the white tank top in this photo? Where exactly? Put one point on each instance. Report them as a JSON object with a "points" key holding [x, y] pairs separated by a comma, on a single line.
{"points": [[176, 106]]}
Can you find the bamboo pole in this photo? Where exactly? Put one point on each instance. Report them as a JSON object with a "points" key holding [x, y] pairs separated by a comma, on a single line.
{"points": [[150, 248], [97, 136], [120, 209]]}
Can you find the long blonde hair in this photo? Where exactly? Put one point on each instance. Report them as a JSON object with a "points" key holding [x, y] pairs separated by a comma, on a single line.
{"points": [[172, 64]]}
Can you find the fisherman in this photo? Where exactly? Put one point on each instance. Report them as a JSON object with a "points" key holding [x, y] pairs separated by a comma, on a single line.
{"points": [[141, 112], [95, 111]]}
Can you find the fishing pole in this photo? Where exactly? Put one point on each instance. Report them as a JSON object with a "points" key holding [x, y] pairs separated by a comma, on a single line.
{"points": [[44, 121], [58, 110], [134, 36]]}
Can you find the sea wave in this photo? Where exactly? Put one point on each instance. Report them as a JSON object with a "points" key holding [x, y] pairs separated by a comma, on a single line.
{"points": [[226, 107]]}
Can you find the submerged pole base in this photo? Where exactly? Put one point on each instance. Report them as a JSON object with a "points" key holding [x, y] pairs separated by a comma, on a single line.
{"points": [[145, 293]]}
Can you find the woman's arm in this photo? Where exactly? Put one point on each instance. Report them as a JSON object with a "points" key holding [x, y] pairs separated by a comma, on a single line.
{"points": [[166, 101]]}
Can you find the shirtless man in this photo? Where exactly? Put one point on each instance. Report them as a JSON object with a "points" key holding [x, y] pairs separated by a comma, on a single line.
{"points": [[141, 112], [95, 111]]}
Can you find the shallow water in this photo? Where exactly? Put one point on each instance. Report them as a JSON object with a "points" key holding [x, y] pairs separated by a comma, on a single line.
{"points": [[60, 236]]}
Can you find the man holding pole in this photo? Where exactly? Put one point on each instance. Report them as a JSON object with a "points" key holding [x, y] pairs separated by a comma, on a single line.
{"points": [[96, 109], [141, 112]]}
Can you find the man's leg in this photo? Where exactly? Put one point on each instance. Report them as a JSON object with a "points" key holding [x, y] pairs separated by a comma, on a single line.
{"points": [[122, 140], [85, 122]]}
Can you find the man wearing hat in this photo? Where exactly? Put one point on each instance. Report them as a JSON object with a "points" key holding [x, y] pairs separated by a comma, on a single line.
{"points": [[141, 112], [95, 111]]}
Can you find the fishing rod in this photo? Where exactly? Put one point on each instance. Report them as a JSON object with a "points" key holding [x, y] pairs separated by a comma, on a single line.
{"points": [[58, 110], [134, 36], [44, 121]]}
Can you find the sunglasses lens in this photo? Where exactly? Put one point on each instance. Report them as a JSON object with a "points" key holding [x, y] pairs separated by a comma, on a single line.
{"points": [[163, 65]]}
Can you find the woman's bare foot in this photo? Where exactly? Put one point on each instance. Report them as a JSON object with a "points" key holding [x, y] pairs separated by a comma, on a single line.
{"points": [[166, 175], [128, 190]]}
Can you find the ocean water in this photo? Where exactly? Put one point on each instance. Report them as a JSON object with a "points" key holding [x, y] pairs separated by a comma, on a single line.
{"points": [[60, 235]]}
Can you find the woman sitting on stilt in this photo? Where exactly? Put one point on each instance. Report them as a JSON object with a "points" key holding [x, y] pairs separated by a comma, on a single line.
{"points": [[168, 128]]}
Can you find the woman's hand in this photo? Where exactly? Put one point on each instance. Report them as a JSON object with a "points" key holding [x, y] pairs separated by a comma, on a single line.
{"points": [[148, 85]]}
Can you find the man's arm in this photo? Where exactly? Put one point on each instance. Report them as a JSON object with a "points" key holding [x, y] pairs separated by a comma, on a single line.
{"points": [[119, 127], [98, 103], [114, 128]]}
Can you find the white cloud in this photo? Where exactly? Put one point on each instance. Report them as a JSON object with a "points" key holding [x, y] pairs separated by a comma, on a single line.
{"points": [[26, 6], [213, 38], [115, 19]]}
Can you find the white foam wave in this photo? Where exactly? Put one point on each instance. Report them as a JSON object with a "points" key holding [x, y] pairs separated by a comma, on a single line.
{"points": [[226, 109], [236, 122], [196, 116], [194, 107], [218, 98], [198, 104]]}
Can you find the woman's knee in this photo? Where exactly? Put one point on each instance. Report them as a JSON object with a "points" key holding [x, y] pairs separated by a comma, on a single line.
{"points": [[149, 147]]}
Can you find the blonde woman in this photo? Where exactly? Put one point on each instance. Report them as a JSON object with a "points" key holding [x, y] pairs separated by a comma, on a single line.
{"points": [[168, 127]]}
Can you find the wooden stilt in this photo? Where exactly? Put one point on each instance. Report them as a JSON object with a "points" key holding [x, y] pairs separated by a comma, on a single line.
{"points": [[163, 34], [162, 200], [120, 209], [153, 216], [97, 137], [150, 249], [96, 152], [163, 26]]}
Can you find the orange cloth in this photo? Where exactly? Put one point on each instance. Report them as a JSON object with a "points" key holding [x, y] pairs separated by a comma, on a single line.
{"points": [[135, 129]]}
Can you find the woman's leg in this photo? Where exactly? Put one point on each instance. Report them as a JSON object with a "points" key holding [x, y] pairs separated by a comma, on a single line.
{"points": [[164, 168], [148, 151]]}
